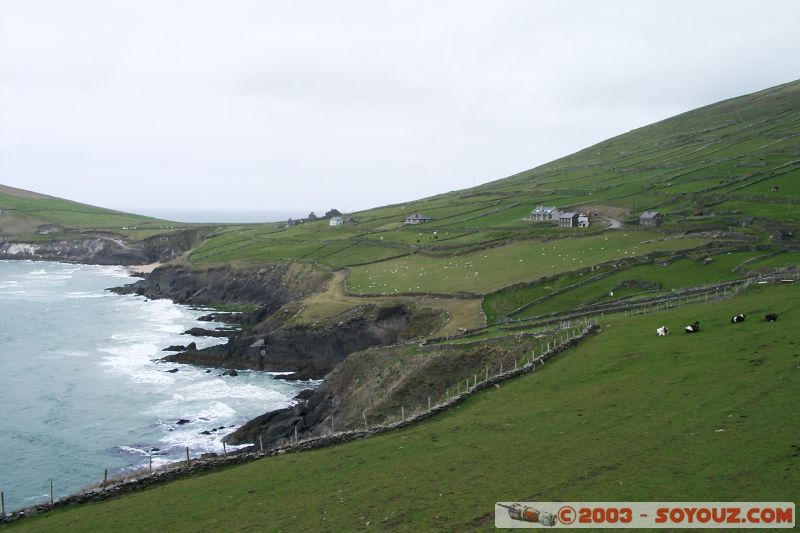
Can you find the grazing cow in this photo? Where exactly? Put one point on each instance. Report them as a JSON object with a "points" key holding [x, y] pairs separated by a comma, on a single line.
{"points": [[663, 331], [737, 318], [772, 317], [693, 328]]}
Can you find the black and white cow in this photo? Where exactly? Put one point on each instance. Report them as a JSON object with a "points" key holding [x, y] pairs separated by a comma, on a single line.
{"points": [[771, 317], [663, 331], [692, 328], [737, 318]]}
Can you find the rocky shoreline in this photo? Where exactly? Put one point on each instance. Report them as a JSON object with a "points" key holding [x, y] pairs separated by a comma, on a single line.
{"points": [[263, 339]]}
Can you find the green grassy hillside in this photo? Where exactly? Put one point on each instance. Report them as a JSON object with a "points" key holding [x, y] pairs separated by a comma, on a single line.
{"points": [[624, 416], [705, 169], [31, 216], [727, 173]]}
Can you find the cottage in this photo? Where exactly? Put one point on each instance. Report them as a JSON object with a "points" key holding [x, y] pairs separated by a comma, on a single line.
{"points": [[583, 220], [651, 218], [544, 214], [568, 219], [416, 218], [333, 213], [336, 221]]}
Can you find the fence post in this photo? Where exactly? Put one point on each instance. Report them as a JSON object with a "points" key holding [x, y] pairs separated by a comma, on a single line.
{"points": [[295, 434], [475, 382], [188, 461], [261, 440], [105, 477], [429, 402], [487, 374], [224, 450], [150, 457], [364, 414], [2, 505], [51, 492], [402, 412]]}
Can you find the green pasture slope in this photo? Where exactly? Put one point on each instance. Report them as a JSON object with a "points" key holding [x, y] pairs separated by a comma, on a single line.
{"points": [[23, 212], [625, 416]]}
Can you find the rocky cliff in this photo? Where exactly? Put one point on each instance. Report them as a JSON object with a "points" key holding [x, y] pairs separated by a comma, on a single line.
{"points": [[270, 341], [266, 287], [103, 249], [311, 351]]}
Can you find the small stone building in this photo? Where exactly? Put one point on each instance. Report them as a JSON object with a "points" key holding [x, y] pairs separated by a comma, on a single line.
{"points": [[416, 218], [651, 218], [568, 219], [583, 220], [336, 221]]}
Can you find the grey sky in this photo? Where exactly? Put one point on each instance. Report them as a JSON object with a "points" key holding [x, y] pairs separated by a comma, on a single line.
{"points": [[310, 105]]}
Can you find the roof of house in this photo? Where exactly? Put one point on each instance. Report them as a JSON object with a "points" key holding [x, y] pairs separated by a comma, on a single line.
{"points": [[567, 214], [649, 214], [417, 216], [544, 209]]}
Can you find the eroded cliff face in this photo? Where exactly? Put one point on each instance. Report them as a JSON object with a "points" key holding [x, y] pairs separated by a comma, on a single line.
{"points": [[311, 351], [269, 340], [268, 287], [102, 249]]}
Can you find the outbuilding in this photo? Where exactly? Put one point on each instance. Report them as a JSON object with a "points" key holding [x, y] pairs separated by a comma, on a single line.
{"points": [[651, 218], [568, 219]]}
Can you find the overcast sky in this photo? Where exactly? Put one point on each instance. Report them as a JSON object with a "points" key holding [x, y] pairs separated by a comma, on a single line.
{"points": [[294, 106]]}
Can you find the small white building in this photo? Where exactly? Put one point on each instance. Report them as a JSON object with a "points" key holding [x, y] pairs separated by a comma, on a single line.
{"points": [[336, 221], [583, 220], [416, 218]]}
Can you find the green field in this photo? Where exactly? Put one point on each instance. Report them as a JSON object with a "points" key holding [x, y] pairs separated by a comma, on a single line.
{"points": [[626, 416], [494, 268], [648, 280]]}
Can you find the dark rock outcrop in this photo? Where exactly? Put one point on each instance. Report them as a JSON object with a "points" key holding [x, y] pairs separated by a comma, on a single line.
{"points": [[228, 318], [175, 348], [311, 351], [202, 332], [267, 287]]}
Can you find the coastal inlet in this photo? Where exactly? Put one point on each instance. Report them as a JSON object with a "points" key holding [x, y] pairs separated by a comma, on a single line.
{"points": [[83, 389]]}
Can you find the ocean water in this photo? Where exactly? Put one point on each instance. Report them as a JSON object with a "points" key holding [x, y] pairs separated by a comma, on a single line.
{"points": [[81, 390]]}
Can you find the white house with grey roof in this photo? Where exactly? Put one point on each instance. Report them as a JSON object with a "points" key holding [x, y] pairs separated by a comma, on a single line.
{"points": [[544, 214]]}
